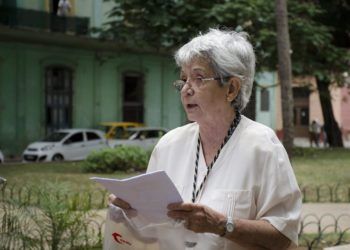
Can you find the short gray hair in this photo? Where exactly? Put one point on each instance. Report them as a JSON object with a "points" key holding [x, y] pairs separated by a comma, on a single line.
{"points": [[229, 54]]}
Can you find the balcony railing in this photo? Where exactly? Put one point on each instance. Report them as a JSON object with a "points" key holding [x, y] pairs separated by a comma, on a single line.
{"points": [[44, 21]]}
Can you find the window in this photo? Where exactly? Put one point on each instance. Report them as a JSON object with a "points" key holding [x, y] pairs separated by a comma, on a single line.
{"points": [[58, 98], [301, 92], [133, 97], [264, 100], [78, 137], [153, 134], [92, 136]]}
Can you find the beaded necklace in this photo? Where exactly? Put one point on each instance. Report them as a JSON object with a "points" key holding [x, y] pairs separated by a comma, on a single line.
{"points": [[230, 131]]}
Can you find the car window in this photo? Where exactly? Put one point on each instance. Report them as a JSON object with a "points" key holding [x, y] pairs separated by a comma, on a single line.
{"points": [[134, 135], [161, 133], [78, 137], [154, 134], [92, 136], [150, 134], [55, 137]]}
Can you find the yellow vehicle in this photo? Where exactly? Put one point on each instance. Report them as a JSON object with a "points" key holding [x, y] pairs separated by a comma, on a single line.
{"points": [[117, 130]]}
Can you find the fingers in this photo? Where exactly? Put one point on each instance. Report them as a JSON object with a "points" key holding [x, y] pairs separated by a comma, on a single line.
{"points": [[182, 206], [197, 218], [183, 211], [118, 202]]}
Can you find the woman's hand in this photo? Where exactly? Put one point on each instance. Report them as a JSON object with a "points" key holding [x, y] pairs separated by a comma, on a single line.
{"points": [[198, 218], [122, 204]]}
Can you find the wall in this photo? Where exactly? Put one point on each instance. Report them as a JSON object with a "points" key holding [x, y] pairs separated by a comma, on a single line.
{"points": [[96, 93], [31, 4], [268, 80], [345, 112]]}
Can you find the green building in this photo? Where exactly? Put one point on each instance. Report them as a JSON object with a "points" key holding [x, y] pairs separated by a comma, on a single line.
{"points": [[54, 74]]}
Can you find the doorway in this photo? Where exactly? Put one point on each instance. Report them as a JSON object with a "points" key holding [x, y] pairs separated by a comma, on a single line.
{"points": [[133, 97], [58, 98], [301, 111]]}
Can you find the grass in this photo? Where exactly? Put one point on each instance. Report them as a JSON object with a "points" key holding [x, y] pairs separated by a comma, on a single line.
{"points": [[68, 173], [322, 166], [311, 166]]}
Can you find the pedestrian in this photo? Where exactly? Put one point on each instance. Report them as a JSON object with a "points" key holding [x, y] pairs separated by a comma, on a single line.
{"points": [[64, 8], [314, 133], [234, 175]]}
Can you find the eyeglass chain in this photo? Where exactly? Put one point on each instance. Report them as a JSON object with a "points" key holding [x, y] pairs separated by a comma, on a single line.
{"points": [[230, 131]]}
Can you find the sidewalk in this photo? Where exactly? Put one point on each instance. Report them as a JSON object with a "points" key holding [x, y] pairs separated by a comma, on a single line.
{"points": [[305, 143], [328, 215]]}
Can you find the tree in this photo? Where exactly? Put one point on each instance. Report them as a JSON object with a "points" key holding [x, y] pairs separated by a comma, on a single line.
{"points": [[285, 73], [164, 25]]}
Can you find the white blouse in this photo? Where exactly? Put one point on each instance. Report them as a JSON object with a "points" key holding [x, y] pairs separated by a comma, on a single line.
{"points": [[253, 168]]}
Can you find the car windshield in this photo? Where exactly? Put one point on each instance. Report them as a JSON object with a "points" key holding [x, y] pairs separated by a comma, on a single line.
{"points": [[55, 137]]}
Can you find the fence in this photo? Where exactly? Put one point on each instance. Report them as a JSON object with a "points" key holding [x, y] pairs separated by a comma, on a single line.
{"points": [[326, 193], [44, 21], [30, 218], [96, 199], [317, 232]]}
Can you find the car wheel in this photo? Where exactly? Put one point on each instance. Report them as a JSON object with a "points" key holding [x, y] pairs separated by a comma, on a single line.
{"points": [[57, 157]]}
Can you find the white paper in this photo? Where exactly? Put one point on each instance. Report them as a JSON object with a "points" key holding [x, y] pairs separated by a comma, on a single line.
{"points": [[148, 193]]}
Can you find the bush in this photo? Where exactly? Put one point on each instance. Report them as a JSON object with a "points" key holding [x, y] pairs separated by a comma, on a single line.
{"points": [[121, 158]]}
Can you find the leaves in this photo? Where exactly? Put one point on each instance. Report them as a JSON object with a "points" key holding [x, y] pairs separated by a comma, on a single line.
{"points": [[165, 25]]}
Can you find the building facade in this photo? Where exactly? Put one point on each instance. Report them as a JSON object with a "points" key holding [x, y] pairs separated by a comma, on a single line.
{"points": [[53, 74]]}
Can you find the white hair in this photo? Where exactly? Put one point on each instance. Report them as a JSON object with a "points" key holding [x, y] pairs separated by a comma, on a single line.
{"points": [[229, 54]]}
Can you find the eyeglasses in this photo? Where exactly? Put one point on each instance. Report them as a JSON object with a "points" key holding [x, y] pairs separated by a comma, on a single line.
{"points": [[199, 81]]}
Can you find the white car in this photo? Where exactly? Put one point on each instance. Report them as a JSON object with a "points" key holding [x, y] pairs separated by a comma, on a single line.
{"points": [[2, 159], [144, 137], [65, 144]]}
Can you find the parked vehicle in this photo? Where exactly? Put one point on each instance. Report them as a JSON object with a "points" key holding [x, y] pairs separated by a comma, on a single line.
{"points": [[144, 137], [2, 158], [65, 144], [117, 130]]}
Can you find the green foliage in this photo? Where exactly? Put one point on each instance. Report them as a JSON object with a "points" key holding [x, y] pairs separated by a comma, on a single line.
{"points": [[168, 24], [52, 224], [120, 158]]}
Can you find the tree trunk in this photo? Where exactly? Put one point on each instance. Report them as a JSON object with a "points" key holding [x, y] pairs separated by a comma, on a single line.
{"points": [[334, 136], [285, 73]]}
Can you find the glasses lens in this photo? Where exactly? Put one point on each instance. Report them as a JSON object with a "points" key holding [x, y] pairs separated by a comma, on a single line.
{"points": [[179, 84]]}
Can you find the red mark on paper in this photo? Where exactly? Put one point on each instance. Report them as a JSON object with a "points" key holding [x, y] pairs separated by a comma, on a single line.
{"points": [[118, 238]]}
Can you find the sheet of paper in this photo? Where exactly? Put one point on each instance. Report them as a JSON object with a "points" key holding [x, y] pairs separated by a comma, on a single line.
{"points": [[148, 193]]}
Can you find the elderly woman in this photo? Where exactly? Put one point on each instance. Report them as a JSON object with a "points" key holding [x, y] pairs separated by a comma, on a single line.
{"points": [[234, 175]]}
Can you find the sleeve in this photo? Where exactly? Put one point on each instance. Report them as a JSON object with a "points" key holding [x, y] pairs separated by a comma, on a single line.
{"points": [[279, 199], [153, 161]]}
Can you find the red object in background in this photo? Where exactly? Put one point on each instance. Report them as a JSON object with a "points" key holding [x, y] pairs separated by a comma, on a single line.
{"points": [[279, 134]]}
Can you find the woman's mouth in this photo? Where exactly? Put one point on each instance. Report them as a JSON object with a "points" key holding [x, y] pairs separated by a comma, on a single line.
{"points": [[191, 106]]}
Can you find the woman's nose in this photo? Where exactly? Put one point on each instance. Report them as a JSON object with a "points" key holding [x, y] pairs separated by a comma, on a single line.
{"points": [[187, 89]]}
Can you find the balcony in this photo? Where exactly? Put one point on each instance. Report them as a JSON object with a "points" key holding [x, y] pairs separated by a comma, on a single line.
{"points": [[43, 21]]}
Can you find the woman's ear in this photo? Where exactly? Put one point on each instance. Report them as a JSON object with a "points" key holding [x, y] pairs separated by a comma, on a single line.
{"points": [[234, 86]]}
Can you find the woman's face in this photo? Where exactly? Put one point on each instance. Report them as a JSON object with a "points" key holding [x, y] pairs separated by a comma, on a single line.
{"points": [[202, 102]]}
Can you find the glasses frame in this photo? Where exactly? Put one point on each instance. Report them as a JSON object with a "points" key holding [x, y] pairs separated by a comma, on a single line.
{"points": [[179, 84]]}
